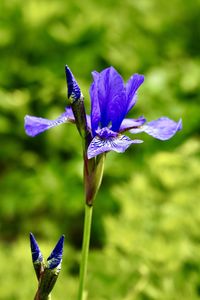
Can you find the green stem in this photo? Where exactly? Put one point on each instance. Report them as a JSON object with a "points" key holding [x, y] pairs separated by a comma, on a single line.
{"points": [[42, 297], [85, 250]]}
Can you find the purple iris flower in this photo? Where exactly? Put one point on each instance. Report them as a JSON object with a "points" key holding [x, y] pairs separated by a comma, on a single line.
{"points": [[111, 100]]}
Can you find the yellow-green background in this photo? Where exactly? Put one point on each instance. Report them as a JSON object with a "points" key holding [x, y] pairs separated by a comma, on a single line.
{"points": [[146, 229]]}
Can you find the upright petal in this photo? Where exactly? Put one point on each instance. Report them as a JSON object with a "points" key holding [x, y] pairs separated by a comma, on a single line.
{"points": [[162, 128], [35, 125], [111, 97], [114, 142], [95, 109], [131, 89]]}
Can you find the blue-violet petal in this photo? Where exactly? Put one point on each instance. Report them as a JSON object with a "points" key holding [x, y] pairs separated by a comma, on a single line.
{"points": [[95, 109], [118, 144], [127, 124], [111, 97], [131, 90], [35, 125], [162, 128]]}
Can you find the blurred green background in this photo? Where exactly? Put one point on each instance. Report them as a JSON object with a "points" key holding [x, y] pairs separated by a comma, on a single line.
{"points": [[146, 229]]}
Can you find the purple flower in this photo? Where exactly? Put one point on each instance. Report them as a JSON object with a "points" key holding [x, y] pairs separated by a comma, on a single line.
{"points": [[111, 100]]}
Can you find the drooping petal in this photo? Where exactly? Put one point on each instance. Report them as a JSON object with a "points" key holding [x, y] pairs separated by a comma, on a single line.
{"points": [[111, 97], [118, 143], [131, 89], [35, 125], [127, 124], [95, 109], [74, 91], [162, 128]]}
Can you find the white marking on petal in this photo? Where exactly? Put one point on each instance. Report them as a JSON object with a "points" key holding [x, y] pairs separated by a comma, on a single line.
{"points": [[118, 144]]}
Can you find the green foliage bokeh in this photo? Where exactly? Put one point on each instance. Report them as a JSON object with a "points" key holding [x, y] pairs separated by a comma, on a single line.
{"points": [[145, 238]]}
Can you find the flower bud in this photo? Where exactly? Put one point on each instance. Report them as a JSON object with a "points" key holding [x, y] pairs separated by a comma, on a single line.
{"points": [[77, 103], [74, 92], [37, 258]]}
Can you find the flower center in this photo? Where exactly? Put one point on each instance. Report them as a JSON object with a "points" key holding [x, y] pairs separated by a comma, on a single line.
{"points": [[106, 133]]}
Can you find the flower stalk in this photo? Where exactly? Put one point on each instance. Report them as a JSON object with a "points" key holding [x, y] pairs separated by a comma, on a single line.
{"points": [[85, 251], [93, 173]]}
